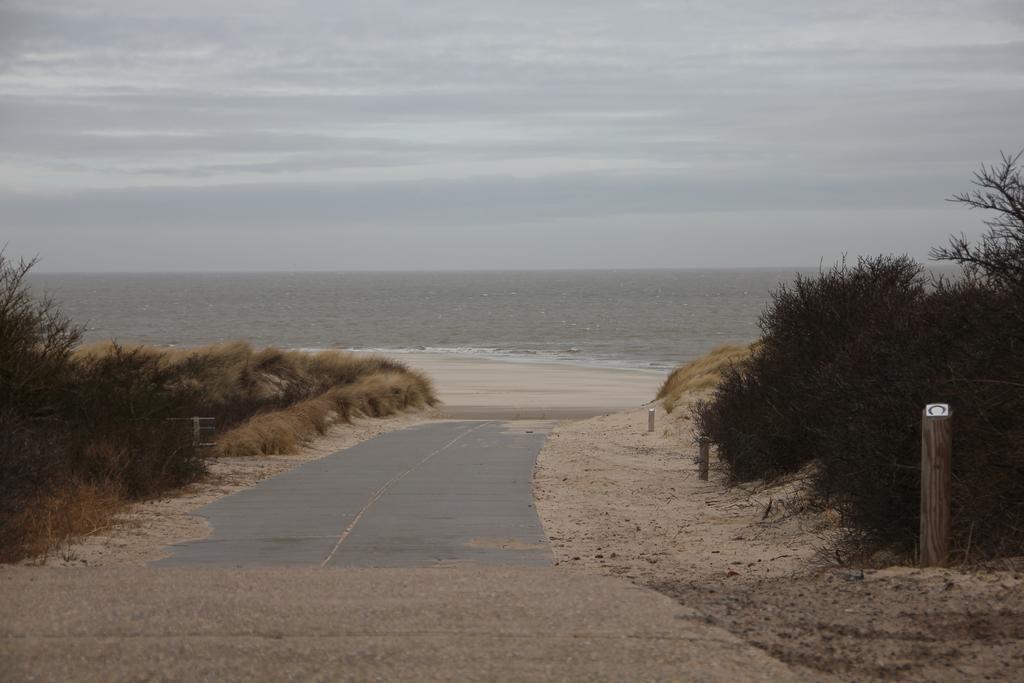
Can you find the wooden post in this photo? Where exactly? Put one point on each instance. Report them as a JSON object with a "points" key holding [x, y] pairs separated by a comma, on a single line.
{"points": [[936, 483], [705, 451], [650, 420]]}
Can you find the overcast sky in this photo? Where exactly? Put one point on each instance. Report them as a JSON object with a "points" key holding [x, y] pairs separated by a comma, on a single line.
{"points": [[139, 135]]}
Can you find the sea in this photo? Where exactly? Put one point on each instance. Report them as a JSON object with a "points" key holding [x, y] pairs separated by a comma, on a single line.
{"points": [[650, 320]]}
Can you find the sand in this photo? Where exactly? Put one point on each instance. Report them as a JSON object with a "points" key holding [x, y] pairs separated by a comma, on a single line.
{"points": [[473, 388], [617, 500]]}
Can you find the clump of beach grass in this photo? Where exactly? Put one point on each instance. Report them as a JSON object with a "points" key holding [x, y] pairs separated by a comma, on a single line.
{"points": [[700, 374], [282, 431]]}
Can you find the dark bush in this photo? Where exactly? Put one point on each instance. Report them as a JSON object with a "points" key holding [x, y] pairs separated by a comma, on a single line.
{"points": [[122, 385], [33, 456], [847, 361], [36, 340], [826, 342], [77, 435]]}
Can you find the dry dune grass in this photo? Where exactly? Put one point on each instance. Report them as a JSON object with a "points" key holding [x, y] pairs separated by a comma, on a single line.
{"points": [[702, 373], [230, 372], [378, 395], [75, 508], [274, 400]]}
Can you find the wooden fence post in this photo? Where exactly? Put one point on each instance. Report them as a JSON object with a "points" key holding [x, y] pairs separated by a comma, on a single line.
{"points": [[705, 452], [650, 420], [936, 483]]}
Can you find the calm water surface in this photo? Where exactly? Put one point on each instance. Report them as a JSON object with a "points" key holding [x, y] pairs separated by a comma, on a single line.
{"points": [[636, 319]]}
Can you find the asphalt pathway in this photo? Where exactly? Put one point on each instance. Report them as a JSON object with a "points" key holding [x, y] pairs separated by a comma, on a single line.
{"points": [[437, 494], [404, 558], [466, 623]]}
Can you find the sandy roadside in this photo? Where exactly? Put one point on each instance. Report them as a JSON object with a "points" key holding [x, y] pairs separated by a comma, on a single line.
{"points": [[617, 500]]}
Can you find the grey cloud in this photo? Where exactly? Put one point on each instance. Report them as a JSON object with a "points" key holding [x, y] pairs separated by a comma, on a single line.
{"points": [[243, 208], [132, 144], [742, 106]]}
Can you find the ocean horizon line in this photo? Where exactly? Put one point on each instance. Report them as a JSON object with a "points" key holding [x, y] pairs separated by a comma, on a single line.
{"points": [[686, 269]]}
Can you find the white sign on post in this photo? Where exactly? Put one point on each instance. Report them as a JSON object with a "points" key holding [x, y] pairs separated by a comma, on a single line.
{"points": [[937, 410]]}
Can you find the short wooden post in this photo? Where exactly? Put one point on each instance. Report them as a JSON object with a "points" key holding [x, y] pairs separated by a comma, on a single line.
{"points": [[702, 461], [650, 420], [936, 483]]}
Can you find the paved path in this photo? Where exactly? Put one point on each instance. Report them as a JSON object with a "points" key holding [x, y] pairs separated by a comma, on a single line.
{"points": [[467, 623], [433, 509], [440, 493]]}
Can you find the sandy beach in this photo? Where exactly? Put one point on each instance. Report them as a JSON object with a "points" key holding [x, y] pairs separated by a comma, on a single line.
{"points": [[473, 388]]}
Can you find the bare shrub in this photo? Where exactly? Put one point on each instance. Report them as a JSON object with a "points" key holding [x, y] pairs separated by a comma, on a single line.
{"points": [[998, 257], [825, 342], [36, 340], [848, 359]]}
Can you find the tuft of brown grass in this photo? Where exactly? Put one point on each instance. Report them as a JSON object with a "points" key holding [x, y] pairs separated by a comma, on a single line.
{"points": [[49, 520], [281, 431], [703, 373], [230, 372], [273, 400]]}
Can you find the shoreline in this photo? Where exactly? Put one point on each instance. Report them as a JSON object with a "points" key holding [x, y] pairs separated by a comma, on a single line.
{"points": [[519, 358]]}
